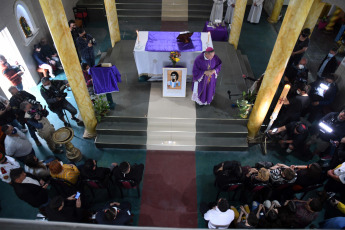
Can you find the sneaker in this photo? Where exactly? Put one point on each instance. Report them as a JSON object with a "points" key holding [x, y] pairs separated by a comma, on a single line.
{"points": [[289, 150], [327, 157], [67, 124], [24, 130], [39, 215], [38, 143]]}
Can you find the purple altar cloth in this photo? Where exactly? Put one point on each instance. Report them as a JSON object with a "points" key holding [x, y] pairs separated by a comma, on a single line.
{"points": [[167, 42], [105, 79], [219, 33]]}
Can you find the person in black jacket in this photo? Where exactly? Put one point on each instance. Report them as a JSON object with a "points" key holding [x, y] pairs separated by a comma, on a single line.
{"points": [[322, 94], [228, 172], [91, 171], [66, 210], [126, 171], [52, 92], [17, 98], [115, 214], [29, 189], [329, 64]]}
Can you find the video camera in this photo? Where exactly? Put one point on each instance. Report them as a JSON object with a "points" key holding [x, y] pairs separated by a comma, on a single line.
{"points": [[60, 93], [43, 112]]}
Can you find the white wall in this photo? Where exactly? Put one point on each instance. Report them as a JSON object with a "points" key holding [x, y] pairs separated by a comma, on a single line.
{"points": [[7, 19]]}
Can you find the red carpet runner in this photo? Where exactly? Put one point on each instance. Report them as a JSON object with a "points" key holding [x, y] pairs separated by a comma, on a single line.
{"points": [[169, 190]]}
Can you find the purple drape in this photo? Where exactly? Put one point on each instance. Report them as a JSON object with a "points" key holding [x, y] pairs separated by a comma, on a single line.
{"points": [[167, 42], [105, 79], [219, 33]]}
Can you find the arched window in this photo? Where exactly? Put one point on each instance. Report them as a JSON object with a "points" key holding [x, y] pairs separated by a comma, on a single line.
{"points": [[25, 22]]}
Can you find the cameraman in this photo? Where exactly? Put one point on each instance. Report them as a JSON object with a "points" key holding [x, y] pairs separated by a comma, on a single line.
{"points": [[37, 117], [292, 135], [17, 98], [322, 94], [331, 130], [52, 92]]}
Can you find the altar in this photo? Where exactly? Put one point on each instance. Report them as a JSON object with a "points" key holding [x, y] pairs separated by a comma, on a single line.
{"points": [[152, 50]]}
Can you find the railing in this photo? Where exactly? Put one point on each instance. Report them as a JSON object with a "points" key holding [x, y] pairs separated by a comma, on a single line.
{"points": [[18, 224]]}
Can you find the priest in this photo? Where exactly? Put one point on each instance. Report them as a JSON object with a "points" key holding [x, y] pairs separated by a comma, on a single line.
{"points": [[255, 11], [230, 11], [205, 71], [217, 11]]}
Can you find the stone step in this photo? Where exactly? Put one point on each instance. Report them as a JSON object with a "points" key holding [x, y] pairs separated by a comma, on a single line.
{"points": [[204, 128], [247, 64], [180, 142]]}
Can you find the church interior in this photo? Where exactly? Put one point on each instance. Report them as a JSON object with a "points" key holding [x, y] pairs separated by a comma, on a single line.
{"points": [[131, 117]]}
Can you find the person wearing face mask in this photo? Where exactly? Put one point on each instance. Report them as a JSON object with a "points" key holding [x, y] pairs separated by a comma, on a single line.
{"points": [[16, 143], [56, 99], [300, 48], [329, 64], [297, 73], [85, 43], [295, 106], [322, 93]]}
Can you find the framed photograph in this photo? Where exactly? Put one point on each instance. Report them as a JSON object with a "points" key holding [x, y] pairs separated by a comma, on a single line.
{"points": [[174, 82]]}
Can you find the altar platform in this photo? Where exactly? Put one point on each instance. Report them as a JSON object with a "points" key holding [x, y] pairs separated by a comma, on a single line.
{"points": [[143, 119]]}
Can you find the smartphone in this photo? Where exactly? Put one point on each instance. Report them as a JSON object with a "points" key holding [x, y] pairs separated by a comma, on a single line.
{"points": [[77, 195], [274, 130]]}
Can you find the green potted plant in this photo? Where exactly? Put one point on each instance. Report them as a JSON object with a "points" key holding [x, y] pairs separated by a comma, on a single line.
{"points": [[101, 107], [245, 105]]}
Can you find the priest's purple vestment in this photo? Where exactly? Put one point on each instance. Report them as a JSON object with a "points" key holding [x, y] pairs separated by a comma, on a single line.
{"points": [[203, 87]]}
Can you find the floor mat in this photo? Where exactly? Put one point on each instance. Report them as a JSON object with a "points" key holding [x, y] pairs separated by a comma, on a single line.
{"points": [[169, 190]]}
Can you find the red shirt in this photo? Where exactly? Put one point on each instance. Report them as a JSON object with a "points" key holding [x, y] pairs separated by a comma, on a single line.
{"points": [[11, 74]]}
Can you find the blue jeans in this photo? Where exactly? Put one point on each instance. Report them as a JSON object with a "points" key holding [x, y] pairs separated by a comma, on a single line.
{"points": [[15, 123], [20, 86]]}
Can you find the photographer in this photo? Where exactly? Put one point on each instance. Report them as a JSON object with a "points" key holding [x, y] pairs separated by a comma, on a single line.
{"points": [[331, 130], [85, 43], [322, 94], [37, 118], [52, 92], [17, 98], [291, 136]]}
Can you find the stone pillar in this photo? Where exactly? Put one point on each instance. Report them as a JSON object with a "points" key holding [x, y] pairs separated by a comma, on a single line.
{"points": [[276, 11], [57, 22], [113, 22], [237, 21], [314, 14], [291, 28]]}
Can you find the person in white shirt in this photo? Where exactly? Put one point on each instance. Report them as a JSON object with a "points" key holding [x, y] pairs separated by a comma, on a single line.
{"points": [[17, 144], [255, 11], [336, 182], [6, 165], [220, 216]]}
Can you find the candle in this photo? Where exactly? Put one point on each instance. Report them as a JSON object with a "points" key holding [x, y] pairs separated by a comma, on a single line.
{"points": [[281, 99], [138, 35], [208, 37]]}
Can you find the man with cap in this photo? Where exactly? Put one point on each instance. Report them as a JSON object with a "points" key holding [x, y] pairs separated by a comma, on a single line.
{"points": [[6, 165], [329, 64], [292, 135], [205, 72], [16, 143]]}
